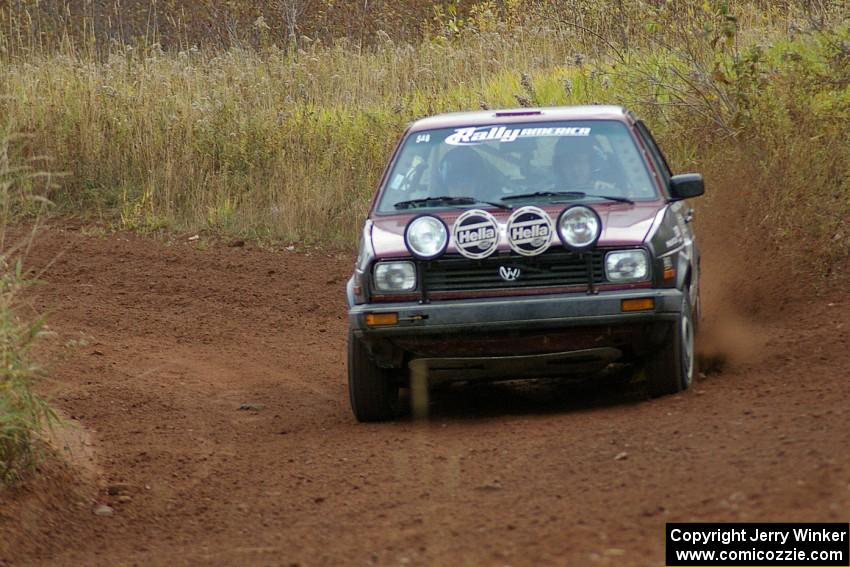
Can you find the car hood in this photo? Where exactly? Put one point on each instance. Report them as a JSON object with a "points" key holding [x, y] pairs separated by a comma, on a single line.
{"points": [[622, 225]]}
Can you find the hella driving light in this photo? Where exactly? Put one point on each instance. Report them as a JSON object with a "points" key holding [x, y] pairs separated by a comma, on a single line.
{"points": [[426, 237], [395, 277], [529, 231], [626, 266], [579, 228], [476, 234]]}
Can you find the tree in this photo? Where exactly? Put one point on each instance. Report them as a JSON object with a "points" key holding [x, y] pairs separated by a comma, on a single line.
{"points": [[291, 12]]}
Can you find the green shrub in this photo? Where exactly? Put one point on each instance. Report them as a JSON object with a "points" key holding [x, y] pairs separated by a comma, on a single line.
{"points": [[23, 414], [290, 145]]}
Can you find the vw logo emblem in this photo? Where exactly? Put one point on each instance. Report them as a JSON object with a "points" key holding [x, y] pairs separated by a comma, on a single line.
{"points": [[509, 274]]}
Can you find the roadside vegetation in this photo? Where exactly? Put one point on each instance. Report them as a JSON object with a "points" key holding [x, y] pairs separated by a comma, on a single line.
{"points": [[279, 129], [24, 415]]}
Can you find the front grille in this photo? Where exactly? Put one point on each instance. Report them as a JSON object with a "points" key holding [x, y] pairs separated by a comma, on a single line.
{"points": [[555, 268]]}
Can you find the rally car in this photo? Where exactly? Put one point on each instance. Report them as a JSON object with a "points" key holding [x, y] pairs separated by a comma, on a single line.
{"points": [[522, 244]]}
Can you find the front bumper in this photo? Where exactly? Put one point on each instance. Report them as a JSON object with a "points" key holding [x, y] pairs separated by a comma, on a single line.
{"points": [[545, 335], [549, 335], [534, 313]]}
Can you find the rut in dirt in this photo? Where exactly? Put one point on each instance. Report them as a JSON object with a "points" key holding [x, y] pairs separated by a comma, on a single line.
{"points": [[211, 384]]}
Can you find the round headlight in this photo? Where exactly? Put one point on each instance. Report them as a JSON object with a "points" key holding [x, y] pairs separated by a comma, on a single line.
{"points": [[426, 237], [579, 227]]}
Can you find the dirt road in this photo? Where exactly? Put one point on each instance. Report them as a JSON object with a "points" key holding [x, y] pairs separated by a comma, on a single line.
{"points": [[158, 345]]}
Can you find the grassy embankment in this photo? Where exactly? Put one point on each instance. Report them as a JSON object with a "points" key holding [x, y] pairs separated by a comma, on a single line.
{"points": [[23, 414], [282, 144]]}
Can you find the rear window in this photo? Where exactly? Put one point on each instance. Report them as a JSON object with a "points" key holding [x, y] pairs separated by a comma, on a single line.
{"points": [[489, 163]]}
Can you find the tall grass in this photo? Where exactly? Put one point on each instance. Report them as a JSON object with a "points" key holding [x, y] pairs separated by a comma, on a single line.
{"points": [[23, 414], [289, 144]]}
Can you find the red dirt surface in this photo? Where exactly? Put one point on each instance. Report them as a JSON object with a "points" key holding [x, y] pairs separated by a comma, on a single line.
{"points": [[158, 344]]}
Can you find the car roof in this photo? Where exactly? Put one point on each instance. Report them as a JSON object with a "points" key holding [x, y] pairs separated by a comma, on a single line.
{"points": [[523, 115]]}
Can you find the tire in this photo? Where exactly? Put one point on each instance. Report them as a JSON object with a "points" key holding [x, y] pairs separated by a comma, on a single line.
{"points": [[671, 368], [373, 393], [697, 311]]}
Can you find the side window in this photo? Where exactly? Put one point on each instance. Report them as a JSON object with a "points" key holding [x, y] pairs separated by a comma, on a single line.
{"points": [[655, 152]]}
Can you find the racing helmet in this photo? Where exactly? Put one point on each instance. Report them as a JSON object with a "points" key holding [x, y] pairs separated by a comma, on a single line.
{"points": [[462, 167], [573, 154]]}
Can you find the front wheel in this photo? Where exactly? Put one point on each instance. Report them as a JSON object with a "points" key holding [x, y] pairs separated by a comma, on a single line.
{"points": [[373, 393], [671, 368]]}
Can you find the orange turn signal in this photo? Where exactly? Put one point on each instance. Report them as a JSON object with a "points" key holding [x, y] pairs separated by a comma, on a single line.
{"points": [[669, 273], [642, 304], [378, 319]]}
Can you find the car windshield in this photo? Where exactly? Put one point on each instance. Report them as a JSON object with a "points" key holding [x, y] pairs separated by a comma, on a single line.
{"points": [[516, 164]]}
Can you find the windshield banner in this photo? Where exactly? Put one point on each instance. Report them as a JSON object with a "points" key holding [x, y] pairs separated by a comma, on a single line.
{"points": [[477, 135]]}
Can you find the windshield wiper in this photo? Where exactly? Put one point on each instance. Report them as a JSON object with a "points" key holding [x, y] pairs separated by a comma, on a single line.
{"points": [[447, 200], [576, 194]]}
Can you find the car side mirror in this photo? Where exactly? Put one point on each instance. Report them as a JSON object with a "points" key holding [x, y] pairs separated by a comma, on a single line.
{"points": [[686, 185]]}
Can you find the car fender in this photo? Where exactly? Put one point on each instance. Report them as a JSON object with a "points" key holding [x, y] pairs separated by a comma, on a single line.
{"points": [[349, 292], [672, 237]]}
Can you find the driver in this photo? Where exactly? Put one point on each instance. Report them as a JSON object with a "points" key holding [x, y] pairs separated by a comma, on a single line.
{"points": [[462, 173], [573, 162]]}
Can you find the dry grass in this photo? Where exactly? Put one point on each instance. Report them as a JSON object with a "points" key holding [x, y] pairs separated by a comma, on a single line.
{"points": [[283, 144], [23, 414]]}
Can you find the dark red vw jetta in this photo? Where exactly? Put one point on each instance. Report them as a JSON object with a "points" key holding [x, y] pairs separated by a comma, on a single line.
{"points": [[522, 244]]}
